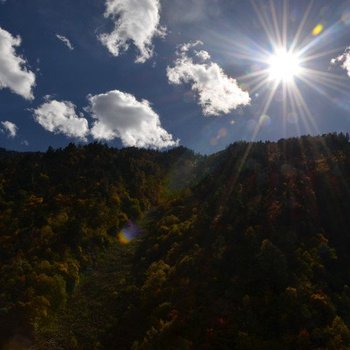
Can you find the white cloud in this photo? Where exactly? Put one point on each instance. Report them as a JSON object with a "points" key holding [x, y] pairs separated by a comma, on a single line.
{"points": [[203, 55], [187, 47], [10, 128], [118, 114], [60, 117], [135, 21], [13, 71], [217, 92], [65, 41], [344, 60]]}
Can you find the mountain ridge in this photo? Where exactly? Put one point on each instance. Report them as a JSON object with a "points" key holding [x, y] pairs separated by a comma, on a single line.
{"points": [[246, 248]]}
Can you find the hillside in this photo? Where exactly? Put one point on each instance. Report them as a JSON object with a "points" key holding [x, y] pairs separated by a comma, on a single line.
{"points": [[136, 249]]}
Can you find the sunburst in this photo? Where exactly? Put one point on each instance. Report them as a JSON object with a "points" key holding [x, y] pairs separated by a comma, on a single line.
{"points": [[284, 66], [288, 63]]}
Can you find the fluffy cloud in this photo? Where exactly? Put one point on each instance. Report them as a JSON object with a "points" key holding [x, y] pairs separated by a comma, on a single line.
{"points": [[135, 21], [217, 92], [10, 128], [344, 60], [13, 71], [65, 41], [118, 114], [60, 117]]}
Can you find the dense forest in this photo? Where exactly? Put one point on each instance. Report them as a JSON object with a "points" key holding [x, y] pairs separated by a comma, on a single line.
{"points": [[248, 248]]}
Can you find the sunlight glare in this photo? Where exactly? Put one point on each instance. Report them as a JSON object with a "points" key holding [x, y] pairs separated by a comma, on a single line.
{"points": [[284, 66]]}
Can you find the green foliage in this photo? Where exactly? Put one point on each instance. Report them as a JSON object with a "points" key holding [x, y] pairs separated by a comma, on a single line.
{"points": [[244, 249], [58, 212]]}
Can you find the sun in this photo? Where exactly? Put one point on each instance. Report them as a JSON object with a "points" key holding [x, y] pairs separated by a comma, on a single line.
{"points": [[284, 66], [282, 71]]}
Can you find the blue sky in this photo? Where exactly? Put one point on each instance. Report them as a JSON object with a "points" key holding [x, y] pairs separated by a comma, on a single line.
{"points": [[202, 75]]}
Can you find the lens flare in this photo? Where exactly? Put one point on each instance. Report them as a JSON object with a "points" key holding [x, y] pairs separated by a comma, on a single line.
{"points": [[128, 233], [317, 30], [264, 120]]}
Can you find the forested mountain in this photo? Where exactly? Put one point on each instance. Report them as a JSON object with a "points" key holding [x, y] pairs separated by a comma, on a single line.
{"points": [[248, 248]]}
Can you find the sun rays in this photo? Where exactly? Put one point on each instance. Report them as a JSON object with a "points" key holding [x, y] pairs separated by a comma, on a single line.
{"points": [[284, 66], [294, 59], [289, 61]]}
